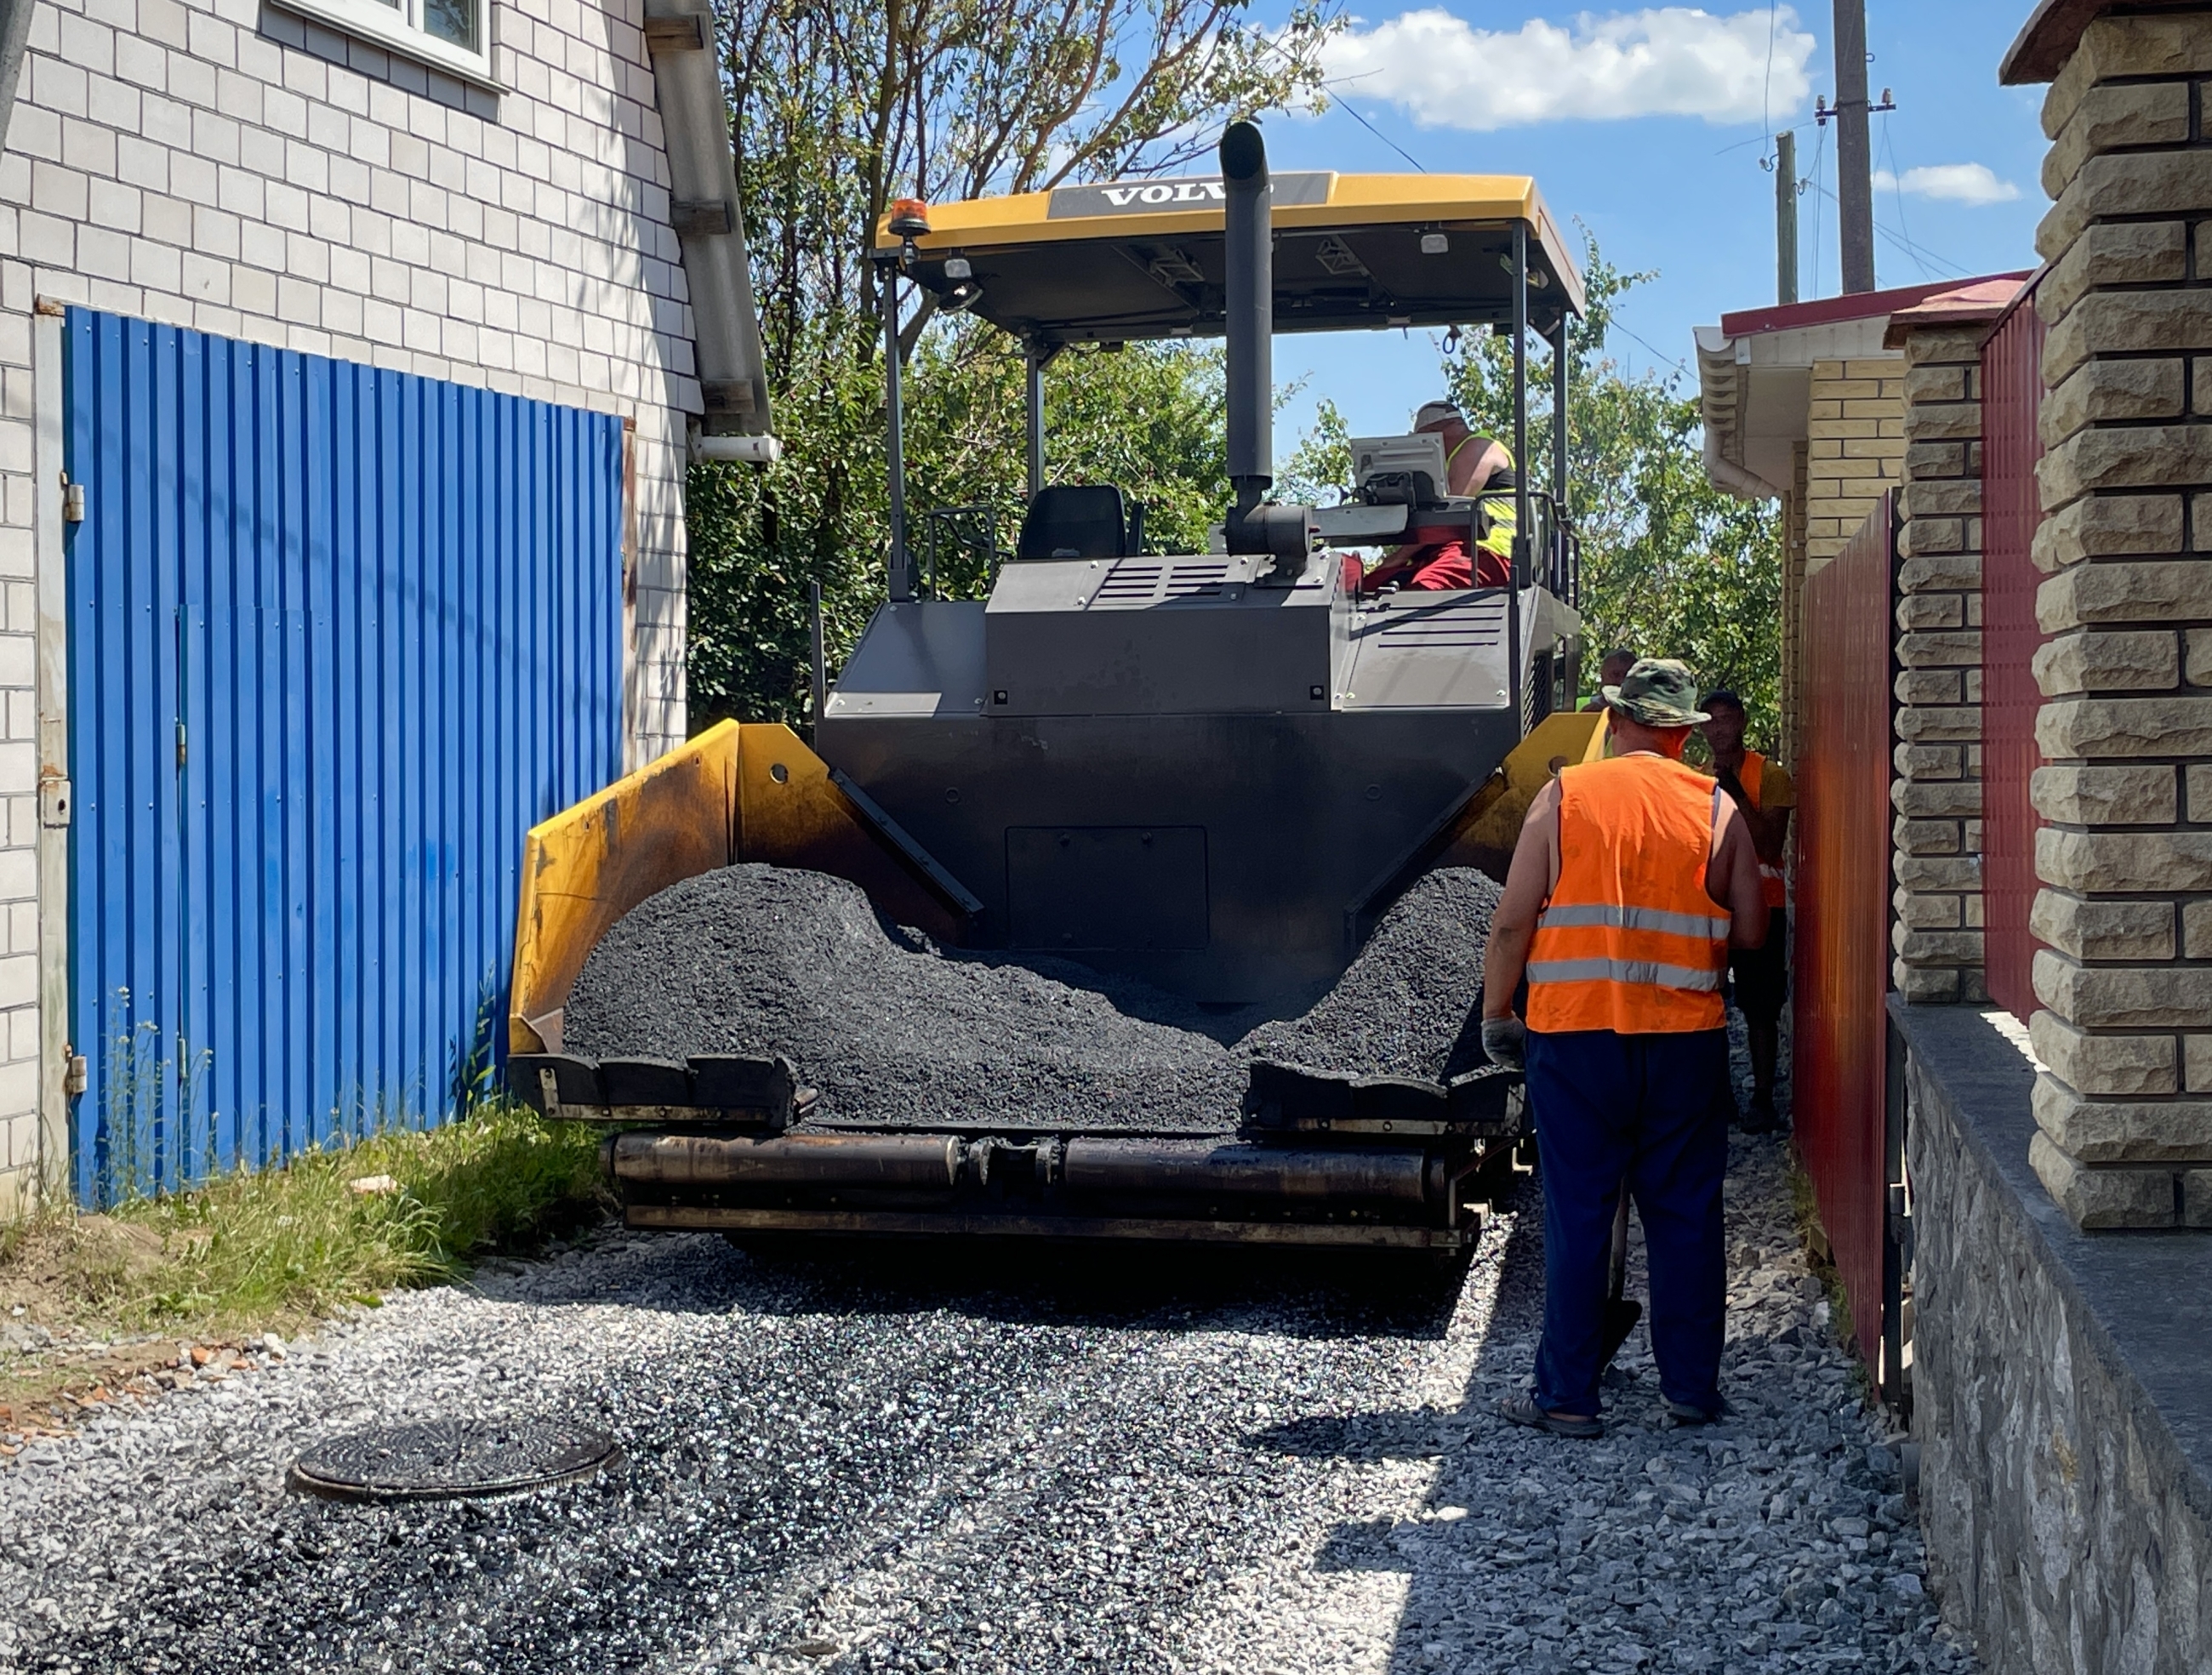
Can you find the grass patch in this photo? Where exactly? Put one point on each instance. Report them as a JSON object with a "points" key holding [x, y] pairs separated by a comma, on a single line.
{"points": [[277, 1249]]}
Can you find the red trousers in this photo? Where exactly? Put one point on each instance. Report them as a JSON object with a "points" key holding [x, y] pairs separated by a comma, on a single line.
{"points": [[1443, 565]]}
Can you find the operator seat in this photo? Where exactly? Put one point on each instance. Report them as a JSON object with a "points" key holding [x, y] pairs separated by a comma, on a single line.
{"points": [[1075, 520]]}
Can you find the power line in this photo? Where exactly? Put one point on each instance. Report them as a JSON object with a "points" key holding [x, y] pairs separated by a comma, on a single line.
{"points": [[1916, 252], [1760, 139], [1353, 111], [1767, 88], [1659, 355], [1896, 186], [1345, 104]]}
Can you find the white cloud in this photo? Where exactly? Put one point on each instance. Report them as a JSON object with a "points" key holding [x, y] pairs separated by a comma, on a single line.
{"points": [[1954, 183], [1662, 61]]}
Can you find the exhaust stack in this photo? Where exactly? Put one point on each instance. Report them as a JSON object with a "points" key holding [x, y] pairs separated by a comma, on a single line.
{"points": [[1283, 532], [1251, 308]]}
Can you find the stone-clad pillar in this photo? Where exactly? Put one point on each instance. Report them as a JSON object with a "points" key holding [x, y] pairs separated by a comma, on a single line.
{"points": [[1936, 935], [2124, 1106]]}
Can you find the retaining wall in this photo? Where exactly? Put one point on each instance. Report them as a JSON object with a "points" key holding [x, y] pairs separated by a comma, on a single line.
{"points": [[2060, 1400]]}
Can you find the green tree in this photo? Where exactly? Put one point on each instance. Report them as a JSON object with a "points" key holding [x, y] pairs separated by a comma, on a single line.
{"points": [[836, 108]]}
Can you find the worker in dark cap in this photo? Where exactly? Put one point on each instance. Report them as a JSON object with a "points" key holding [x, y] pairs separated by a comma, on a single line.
{"points": [[1763, 790], [1632, 878]]}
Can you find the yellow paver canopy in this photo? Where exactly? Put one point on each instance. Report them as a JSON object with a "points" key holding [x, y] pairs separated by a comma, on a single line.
{"points": [[1129, 259]]}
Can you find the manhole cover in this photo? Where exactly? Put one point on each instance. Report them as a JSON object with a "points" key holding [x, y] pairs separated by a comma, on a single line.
{"points": [[448, 1458]]}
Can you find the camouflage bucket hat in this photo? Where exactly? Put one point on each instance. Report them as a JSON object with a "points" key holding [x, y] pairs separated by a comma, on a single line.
{"points": [[1660, 691]]}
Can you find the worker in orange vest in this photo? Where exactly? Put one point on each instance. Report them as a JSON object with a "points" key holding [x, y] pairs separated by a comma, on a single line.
{"points": [[1763, 790], [1632, 878]]}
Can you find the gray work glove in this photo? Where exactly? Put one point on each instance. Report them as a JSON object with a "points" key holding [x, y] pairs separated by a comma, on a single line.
{"points": [[1505, 1041]]}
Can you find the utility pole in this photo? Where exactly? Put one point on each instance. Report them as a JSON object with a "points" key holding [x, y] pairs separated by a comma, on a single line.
{"points": [[1854, 154], [1786, 217]]}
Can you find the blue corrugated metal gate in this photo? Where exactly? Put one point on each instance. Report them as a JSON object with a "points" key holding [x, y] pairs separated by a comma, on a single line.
{"points": [[337, 638]]}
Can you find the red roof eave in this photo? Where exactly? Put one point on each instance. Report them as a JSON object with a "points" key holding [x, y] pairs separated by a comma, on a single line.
{"points": [[1977, 304], [1831, 311]]}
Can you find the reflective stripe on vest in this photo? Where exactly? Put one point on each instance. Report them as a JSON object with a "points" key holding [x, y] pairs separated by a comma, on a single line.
{"points": [[1623, 971], [1630, 941], [1772, 884], [1635, 919]]}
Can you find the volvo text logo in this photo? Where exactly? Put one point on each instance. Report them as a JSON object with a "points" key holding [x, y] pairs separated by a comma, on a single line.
{"points": [[1129, 198], [1165, 191]]}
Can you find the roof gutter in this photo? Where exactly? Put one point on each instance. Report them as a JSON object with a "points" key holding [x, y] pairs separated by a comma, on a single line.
{"points": [[1719, 354]]}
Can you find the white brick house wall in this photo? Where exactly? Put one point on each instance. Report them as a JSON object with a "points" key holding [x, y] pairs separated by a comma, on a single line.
{"points": [[229, 165]]}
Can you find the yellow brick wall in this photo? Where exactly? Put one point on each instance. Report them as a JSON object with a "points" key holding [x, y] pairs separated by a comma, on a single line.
{"points": [[1855, 448]]}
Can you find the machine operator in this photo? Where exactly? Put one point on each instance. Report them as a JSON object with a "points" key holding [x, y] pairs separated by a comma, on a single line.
{"points": [[1763, 791], [1633, 878], [1472, 464]]}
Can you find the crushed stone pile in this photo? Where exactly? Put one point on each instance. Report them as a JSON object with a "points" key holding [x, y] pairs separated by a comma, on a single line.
{"points": [[893, 1031]]}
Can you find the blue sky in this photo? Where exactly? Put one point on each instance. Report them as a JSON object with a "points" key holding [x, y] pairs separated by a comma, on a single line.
{"points": [[1524, 87]]}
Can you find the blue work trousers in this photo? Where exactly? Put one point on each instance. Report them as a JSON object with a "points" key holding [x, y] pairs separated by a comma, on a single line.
{"points": [[1652, 1110]]}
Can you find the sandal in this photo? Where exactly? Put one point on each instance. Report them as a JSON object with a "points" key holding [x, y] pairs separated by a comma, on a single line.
{"points": [[1683, 1414], [1522, 1410]]}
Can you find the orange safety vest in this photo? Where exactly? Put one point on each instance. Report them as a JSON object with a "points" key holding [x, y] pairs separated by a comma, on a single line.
{"points": [[1630, 941], [1771, 884]]}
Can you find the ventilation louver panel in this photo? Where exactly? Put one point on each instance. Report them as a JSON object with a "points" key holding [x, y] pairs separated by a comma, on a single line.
{"points": [[1128, 583], [1472, 624], [1201, 580]]}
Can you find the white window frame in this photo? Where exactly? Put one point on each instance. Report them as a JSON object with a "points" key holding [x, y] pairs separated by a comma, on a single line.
{"points": [[399, 29]]}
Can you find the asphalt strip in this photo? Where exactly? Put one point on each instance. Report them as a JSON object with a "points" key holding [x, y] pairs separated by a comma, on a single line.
{"points": [[898, 1032]]}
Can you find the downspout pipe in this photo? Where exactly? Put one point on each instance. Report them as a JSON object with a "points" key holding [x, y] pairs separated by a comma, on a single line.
{"points": [[705, 215], [1727, 475], [15, 36]]}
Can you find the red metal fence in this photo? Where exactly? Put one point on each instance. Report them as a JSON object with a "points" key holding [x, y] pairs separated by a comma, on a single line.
{"points": [[2012, 390], [1843, 910]]}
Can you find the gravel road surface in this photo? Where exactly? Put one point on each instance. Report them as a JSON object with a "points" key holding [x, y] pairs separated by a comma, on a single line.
{"points": [[1063, 1463]]}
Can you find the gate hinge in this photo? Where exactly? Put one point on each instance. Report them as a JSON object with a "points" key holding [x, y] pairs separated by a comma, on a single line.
{"points": [[53, 801], [181, 751], [72, 499], [76, 1075]]}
